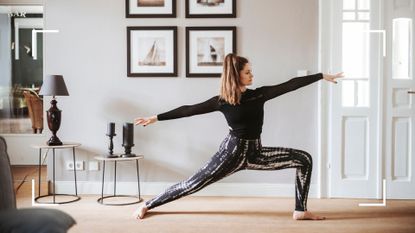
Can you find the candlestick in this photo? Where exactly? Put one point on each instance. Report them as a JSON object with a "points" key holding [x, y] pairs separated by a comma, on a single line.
{"points": [[111, 134], [128, 139], [128, 134], [111, 147], [111, 129]]}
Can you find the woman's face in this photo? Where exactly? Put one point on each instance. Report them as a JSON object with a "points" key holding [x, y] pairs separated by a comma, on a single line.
{"points": [[246, 76]]}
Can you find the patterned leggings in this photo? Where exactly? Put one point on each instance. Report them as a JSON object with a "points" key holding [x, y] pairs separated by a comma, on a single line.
{"points": [[236, 154]]}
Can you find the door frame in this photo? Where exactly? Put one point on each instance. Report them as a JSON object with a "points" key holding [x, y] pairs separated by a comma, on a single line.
{"points": [[325, 64]]}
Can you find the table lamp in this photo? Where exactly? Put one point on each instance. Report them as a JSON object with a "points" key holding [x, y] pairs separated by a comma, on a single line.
{"points": [[54, 85]]}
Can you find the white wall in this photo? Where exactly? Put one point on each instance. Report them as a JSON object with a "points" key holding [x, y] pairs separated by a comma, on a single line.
{"points": [[278, 36]]}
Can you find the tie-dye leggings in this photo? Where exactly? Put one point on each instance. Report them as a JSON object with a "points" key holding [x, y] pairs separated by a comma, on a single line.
{"points": [[236, 154]]}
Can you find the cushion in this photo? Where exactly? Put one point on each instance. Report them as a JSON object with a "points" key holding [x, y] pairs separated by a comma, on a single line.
{"points": [[39, 220]]}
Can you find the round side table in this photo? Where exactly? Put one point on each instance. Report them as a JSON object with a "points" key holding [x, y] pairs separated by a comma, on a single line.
{"points": [[54, 194], [105, 159]]}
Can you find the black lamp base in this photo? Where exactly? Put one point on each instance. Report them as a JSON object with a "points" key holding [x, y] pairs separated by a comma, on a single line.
{"points": [[54, 141], [54, 122]]}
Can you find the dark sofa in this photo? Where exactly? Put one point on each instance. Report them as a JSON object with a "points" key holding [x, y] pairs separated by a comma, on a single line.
{"points": [[36, 220]]}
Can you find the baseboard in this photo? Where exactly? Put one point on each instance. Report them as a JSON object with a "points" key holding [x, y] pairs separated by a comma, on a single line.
{"points": [[217, 189]]}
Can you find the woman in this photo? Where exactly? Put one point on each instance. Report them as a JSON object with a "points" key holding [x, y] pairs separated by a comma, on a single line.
{"points": [[242, 149]]}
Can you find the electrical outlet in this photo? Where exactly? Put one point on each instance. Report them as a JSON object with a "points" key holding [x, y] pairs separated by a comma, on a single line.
{"points": [[93, 166], [79, 165], [69, 165]]}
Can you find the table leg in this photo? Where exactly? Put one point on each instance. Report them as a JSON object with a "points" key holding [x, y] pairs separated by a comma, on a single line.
{"points": [[74, 170], [40, 168], [103, 176], [115, 177], [138, 180], [54, 190]]}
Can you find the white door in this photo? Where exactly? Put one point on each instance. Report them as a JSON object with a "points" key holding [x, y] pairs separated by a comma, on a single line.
{"points": [[400, 108], [354, 128], [372, 115]]}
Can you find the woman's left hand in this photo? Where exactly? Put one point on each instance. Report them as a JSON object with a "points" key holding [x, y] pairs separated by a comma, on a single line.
{"points": [[332, 77]]}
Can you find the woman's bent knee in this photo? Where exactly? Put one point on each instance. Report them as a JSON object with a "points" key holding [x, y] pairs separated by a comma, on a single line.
{"points": [[307, 159]]}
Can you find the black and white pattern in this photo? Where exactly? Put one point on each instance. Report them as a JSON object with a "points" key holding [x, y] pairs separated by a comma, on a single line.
{"points": [[236, 154]]}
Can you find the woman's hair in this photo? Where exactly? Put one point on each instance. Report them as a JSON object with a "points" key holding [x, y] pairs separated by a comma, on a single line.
{"points": [[230, 84]]}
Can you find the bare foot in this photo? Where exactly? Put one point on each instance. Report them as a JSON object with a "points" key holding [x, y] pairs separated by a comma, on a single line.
{"points": [[306, 215], [140, 212]]}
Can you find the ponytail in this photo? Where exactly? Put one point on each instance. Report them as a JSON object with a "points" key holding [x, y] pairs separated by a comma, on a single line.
{"points": [[230, 84]]}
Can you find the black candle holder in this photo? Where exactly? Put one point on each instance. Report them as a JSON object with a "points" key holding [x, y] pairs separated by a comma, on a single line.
{"points": [[111, 147], [127, 152], [128, 139]]}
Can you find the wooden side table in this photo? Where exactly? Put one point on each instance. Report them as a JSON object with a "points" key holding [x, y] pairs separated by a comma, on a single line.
{"points": [[64, 146], [115, 160]]}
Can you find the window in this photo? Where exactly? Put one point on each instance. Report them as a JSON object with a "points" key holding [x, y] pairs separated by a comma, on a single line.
{"points": [[355, 53], [401, 48]]}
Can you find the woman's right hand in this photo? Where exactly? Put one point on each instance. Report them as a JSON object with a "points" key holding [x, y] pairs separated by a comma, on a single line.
{"points": [[332, 77], [145, 121]]}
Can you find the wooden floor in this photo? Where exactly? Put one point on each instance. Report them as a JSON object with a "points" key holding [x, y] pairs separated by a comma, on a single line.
{"points": [[22, 178], [236, 214]]}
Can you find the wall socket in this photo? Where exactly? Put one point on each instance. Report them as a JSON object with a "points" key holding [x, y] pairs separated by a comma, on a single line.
{"points": [[93, 165], [79, 165]]}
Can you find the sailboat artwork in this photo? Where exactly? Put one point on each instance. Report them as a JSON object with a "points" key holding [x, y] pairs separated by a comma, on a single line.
{"points": [[210, 51], [150, 3], [155, 55], [151, 51], [210, 2]]}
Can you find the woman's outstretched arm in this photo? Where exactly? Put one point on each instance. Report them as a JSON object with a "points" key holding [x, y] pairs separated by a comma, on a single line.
{"points": [[270, 92], [207, 106]]}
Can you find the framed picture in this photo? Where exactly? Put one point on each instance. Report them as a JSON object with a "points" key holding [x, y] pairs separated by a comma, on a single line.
{"points": [[151, 51], [206, 48], [210, 8], [150, 8]]}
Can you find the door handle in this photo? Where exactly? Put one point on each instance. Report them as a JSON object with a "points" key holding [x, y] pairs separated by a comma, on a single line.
{"points": [[411, 92]]}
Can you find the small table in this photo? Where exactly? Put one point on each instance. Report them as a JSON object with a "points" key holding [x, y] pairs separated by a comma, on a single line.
{"points": [[64, 146], [115, 160]]}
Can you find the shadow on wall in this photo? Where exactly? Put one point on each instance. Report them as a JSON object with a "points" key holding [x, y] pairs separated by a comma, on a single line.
{"points": [[120, 109], [120, 112]]}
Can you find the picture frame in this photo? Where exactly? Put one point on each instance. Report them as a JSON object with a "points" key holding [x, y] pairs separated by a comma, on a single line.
{"points": [[152, 51], [210, 8], [206, 48], [150, 8]]}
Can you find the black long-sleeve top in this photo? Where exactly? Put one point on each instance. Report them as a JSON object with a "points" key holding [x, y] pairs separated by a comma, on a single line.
{"points": [[244, 119]]}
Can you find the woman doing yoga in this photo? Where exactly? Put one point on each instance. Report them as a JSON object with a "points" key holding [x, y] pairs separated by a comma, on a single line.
{"points": [[241, 149]]}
